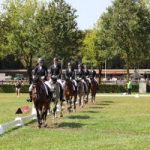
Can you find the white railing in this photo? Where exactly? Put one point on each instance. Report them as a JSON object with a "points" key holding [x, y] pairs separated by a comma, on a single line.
{"points": [[19, 121]]}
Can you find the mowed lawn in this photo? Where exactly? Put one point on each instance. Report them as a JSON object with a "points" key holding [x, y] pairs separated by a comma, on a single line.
{"points": [[121, 123]]}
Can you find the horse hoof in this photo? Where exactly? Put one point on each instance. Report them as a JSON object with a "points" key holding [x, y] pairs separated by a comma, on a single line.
{"points": [[45, 125]]}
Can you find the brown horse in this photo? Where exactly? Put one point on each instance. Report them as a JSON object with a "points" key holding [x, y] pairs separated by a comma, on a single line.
{"points": [[70, 93], [94, 87], [41, 101]]}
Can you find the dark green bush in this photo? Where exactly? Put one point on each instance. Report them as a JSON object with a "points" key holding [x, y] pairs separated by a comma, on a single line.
{"points": [[103, 88], [11, 88]]}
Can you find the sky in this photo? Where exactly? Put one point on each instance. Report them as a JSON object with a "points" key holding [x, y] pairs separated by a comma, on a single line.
{"points": [[88, 11]]}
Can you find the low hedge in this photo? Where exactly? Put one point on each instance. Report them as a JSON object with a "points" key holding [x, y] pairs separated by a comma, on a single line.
{"points": [[11, 88], [103, 88]]}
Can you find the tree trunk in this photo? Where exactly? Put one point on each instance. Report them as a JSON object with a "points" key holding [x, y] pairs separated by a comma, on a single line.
{"points": [[128, 73], [100, 73], [29, 69]]}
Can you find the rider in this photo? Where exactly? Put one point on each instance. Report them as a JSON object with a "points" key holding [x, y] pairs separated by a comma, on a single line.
{"points": [[70, 74], [80, 71], [55, 72], [86, 71], [81, 75], [39, 70], [93, 75]]}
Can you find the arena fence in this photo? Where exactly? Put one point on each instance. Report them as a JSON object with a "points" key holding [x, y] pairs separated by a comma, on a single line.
{"points": [[18, 122]]}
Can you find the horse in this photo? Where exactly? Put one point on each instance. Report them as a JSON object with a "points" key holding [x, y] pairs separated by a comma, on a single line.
{"points": [[88, 89], [41, 100], [94, 87], [70, 93], [81, 92], [56, 92]]}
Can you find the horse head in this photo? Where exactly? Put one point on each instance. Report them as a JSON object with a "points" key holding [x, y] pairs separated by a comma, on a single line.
{"points": [[54, 78]]}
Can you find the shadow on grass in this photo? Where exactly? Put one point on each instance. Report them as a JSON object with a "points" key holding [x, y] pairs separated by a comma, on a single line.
{"points": [[78, 117], [94, 112], [103, 104], [9, 131], [97, 107], [107, 101], [70, 125]]}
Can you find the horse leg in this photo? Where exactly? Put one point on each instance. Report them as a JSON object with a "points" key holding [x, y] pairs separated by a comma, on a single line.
{"points": [[55, 108], [44, 115], [87, 98], [74, 103], [79, 100], [69, 104], [82, 100], [38, 118], [61, 109]]}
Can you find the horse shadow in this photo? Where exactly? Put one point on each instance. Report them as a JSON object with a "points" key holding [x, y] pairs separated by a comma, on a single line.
{"points": [[107, 102], [79, 117], [90, 111], [97, 107], [72, 125]]}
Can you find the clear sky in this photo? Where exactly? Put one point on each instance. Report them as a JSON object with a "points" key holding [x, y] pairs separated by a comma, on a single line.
{"points": [[88, 11]]}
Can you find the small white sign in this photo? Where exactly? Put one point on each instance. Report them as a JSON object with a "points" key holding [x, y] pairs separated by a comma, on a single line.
{"points": [[142, 87]]}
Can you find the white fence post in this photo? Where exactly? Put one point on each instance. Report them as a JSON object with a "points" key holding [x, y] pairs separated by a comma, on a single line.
{"points": [[20, 122], [1, 129]]}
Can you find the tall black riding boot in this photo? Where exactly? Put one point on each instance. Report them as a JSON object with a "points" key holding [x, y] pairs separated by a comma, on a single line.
{"points": [[61, 94], [29, 99]]}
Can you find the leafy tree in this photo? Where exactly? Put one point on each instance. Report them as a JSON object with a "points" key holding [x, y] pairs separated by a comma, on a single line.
{"points": [[58, 28], [125, 29], [4, 29], [23, 34], [89, 49]]}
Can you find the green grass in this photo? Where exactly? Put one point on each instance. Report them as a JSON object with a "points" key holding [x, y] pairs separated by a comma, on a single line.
{"points": [[121, 123]]}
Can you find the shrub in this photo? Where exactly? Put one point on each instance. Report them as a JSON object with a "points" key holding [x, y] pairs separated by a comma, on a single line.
{"points": [[104, 88], [11, 88]]}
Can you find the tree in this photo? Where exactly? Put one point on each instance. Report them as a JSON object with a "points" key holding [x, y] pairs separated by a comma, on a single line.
{"points": [[59, 32], [4, 29], [125, 29], [89, 49], [22, 38]]}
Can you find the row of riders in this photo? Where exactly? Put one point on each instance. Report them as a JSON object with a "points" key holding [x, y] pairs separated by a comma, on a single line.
{"points": [[56, 75], [55, 86]]}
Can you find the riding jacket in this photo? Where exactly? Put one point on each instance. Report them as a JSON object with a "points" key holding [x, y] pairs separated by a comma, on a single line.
{"points": [[40, 71], [93, 73], [70, 73], [55, 70]]}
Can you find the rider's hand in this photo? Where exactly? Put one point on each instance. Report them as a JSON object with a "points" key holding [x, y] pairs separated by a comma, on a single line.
{"points": [[42, 77]]}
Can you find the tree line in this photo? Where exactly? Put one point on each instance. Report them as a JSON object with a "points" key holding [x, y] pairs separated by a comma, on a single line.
{"points": [[31, 28]]}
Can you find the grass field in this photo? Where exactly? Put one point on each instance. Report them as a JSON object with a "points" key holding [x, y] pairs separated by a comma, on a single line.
{"points": [[121, 123]]}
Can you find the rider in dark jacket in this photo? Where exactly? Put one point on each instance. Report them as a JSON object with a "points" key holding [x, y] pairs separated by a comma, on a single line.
{"points": [[39, 70], [70, 73], [55, 69], [86, 71], [80, 71], [55, 72]]}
